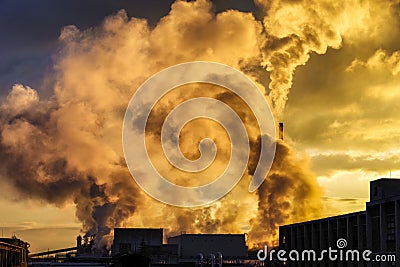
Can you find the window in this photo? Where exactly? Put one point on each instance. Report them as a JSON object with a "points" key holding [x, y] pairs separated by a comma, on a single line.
{"points": [[391, 227], [391, 233]]}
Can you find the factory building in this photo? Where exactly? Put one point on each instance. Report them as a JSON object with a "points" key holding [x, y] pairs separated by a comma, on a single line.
{"points": [[132, 240], [376, 229], [13, 252], [182, 248], [190, 246], [144, 241]]}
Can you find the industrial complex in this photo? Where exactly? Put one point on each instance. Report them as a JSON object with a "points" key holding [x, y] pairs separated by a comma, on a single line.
{"points": [[145, 246], [375, 230]]}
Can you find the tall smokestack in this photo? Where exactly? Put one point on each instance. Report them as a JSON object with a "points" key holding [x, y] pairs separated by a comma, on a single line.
{"points": [[281, 131]]}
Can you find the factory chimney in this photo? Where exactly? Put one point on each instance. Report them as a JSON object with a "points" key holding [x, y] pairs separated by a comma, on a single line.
{"points": [[281, 131]]}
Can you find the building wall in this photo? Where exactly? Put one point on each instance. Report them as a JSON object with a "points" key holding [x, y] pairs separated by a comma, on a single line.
{"points": [[383, 227], [384, 188], [322, 234], [132, 240], [146, 242], [232, 246]]}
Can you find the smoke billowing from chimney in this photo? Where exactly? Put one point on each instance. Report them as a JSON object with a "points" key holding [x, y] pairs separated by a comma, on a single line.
{"points": [[290, 193], [68, 148]]}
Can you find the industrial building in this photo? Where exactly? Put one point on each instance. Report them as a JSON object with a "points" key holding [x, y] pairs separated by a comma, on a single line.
{"points": [[376, 229], [144, 241], [231, 246], [132, 240], [181, 248], [13, 252]]}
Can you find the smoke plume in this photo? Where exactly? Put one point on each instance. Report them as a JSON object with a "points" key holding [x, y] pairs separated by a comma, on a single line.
{"points": [[289, 194], [68, 148], [41, 157]]}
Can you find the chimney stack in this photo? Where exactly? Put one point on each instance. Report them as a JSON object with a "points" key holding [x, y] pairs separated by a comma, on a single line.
{"points": [[78, 245], [281, 131]]}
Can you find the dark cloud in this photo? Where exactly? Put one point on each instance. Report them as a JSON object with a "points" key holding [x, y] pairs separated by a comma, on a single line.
{"points": [[29, 30]]}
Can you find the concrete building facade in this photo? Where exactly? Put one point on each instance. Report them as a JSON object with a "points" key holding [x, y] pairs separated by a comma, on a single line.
{"points": [[132, 240], [376, 229], [144, 241]]}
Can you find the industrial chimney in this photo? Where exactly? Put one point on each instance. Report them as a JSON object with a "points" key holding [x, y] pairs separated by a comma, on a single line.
{"points": [[78, 245], [281, 131]]}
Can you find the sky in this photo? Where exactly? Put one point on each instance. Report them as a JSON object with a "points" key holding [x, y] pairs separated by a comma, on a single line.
{"points": [[331, 72]]}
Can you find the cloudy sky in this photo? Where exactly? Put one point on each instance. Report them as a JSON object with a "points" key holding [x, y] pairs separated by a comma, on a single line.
{"points": [[330, 70]]}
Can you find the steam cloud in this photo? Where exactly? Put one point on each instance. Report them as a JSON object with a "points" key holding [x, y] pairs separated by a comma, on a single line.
{"points": [[67, 148], [37, 158]]}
